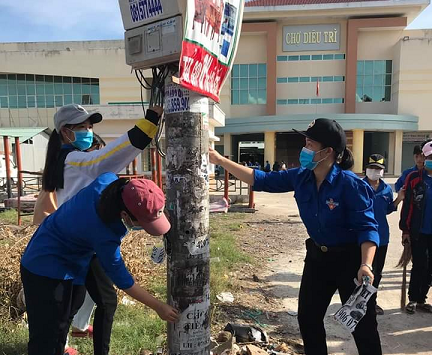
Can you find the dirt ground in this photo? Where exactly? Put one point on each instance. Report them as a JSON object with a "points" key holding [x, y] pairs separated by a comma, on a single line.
{"points": [[268, 294]]}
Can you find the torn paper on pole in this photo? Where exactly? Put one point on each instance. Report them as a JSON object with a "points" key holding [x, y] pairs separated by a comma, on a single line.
{"points": [[351, 313]]}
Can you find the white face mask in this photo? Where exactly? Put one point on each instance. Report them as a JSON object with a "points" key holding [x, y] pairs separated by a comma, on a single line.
{"points": [[374, 174]]}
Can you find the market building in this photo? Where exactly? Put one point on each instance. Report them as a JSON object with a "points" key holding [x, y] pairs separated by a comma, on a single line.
{"points": [[348, 60], [297, 60]]}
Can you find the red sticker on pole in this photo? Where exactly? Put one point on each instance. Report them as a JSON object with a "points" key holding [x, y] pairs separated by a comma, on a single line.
{"points": [[212, 31]]}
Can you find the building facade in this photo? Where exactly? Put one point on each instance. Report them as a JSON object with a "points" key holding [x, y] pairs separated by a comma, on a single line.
{"points": [[38, 78], [297, 60], [352, 61]]}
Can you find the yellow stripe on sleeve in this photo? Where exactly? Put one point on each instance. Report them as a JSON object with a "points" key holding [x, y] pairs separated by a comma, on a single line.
{"points": [[147, 127], [102, 157]]}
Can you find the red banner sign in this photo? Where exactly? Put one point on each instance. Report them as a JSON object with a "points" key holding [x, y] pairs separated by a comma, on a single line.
{"points": [[210, 44]]}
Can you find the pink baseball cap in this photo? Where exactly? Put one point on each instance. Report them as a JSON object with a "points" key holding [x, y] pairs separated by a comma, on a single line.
{"points": [[427, 149], [146, 201]]}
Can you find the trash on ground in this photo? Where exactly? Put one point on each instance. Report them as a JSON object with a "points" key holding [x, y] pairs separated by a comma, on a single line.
{"points": [[224, 336], [158, 255], [282, 348], [226, 297], [225, 347], [220, 206], [254, 350], [292, 313], [127, 302], [246, 333]]}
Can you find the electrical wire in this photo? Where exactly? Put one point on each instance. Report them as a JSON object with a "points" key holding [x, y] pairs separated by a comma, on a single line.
{"points": [[157, 93]]}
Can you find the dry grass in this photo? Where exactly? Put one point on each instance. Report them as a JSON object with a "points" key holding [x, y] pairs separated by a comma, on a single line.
{"points": [[136, 250], [12, 245]]}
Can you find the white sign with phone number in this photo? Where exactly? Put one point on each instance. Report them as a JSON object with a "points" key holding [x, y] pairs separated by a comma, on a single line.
{"points": [[179, 99], [176, 99]]}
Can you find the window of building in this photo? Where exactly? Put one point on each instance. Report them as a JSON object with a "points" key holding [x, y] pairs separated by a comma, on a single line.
{"points": [[46, 91], [310, 79], [374, 80], [294, 58], [249, 84], [313, 101]]}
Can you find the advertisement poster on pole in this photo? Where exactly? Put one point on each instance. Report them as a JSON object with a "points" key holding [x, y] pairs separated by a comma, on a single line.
{"points": [[212, 32]]}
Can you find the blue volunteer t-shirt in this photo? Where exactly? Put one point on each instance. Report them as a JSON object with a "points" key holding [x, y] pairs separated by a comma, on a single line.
{"points": [[383, 205], [340, 213], [427, 214], [65, 242]]}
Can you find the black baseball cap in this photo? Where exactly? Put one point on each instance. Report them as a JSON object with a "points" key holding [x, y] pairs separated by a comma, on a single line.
{"points": [[376, 161], [327, 132]]}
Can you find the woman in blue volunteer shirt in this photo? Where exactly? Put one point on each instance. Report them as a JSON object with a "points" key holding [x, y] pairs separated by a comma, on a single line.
{"points": [[383, 205], [337, 210], [94, 221]]}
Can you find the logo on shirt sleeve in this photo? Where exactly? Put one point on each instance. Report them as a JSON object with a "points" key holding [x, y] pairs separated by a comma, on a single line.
{"points": [[332, 204]]}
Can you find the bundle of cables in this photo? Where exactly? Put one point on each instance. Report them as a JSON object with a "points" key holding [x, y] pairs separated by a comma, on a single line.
{"points": [[157, 90]]}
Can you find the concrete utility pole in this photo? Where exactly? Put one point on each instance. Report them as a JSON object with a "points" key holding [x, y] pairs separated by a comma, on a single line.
{"points": [[187, 242]]}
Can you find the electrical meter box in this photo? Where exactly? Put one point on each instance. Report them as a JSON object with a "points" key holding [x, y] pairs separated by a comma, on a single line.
{"points": [[154, 31], [154, 44]]}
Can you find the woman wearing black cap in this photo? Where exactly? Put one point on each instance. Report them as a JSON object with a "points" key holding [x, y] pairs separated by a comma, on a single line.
{"points": [[337, 210]]}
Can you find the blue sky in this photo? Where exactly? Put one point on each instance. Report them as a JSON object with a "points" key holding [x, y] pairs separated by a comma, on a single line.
{"points": [[62, 20]]}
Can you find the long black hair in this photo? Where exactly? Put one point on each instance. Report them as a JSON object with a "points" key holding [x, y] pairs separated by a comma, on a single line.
{"points": [[111, 203], [346, 159], [49, 177], [52, 177]]}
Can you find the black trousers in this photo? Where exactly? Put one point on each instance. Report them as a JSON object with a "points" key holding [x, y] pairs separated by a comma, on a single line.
{"points": [[378, 264], [421, 248], [49, 303], [323, 274], [101, 290]]}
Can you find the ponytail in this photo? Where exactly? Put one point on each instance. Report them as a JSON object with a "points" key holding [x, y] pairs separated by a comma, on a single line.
{"points": [[111, 202], [49, 176], [346, 161]]}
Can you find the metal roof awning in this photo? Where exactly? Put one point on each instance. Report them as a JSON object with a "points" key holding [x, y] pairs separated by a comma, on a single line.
{"points": [[23, 133]]}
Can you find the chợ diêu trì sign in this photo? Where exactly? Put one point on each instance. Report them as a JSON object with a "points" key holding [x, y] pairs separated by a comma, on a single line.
{"points": [[311, 38]]}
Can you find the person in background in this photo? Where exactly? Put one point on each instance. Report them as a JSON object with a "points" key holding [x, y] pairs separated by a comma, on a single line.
{"points": [[416, 225], [94, 221], [337, 209], [419, 163], [276, 166], [383, 205], [267, 167], [283, 166]]}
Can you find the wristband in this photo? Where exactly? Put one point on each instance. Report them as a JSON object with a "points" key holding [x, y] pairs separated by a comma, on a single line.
{"points": [[368, 266], [147, 127]]}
